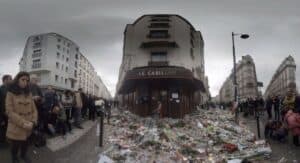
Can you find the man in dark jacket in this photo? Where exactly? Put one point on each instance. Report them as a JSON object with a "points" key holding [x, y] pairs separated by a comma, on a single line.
{"points": [[92, 108], [50, 101], [6, 80], [269, 107], [84, 99], [276, 104]]}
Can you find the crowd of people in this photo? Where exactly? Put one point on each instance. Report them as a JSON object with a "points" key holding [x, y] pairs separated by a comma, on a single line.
{"points": [[283, 115], [26, 109]]}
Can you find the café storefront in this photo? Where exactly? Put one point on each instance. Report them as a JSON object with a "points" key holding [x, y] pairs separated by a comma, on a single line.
{"points": [[175, 87]]}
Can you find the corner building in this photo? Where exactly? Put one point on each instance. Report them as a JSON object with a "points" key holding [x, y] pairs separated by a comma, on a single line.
{"points": [[162, 60]]}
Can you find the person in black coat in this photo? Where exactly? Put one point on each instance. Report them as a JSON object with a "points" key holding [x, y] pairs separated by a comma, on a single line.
{"points": [[6, 80], [269, 107], [92, 107], [50, 101], [85, 104], [276, 104]]}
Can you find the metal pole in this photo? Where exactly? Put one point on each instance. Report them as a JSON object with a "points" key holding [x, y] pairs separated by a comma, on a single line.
{"points": [[258, 127], [234, 76], [101, 129]]}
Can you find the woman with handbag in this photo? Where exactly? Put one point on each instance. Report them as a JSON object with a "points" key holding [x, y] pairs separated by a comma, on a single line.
{"points": [[22, 116]]}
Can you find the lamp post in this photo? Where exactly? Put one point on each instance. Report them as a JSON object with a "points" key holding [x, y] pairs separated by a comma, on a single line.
{"points": [[243, 36]]}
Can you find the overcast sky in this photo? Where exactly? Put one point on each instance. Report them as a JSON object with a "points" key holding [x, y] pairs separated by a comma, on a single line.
{"points": [[98, 26]]}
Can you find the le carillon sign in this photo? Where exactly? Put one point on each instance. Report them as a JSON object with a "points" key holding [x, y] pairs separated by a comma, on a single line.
{"points": [[162, 72]]}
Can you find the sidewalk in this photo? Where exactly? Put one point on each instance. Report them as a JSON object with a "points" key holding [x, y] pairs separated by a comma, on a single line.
{"points": [[74, 149], [279, 150], [57, 143]]}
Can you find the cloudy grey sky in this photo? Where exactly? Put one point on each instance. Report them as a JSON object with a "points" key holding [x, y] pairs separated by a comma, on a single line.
{"points": [[97, 27]]}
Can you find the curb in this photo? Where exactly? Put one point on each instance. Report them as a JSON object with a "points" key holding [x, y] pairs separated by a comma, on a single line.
{"points": [[58, 143]]}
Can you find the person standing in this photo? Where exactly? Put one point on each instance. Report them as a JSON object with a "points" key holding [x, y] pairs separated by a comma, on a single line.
{"points": [[77, 110], [36, 94], [293, 121], [6, 80], [84, 100], [275, 105], [158, 111], [269, 107], [47, 116], [67, 102], [92, 107], [22, 116], [61, 123]]}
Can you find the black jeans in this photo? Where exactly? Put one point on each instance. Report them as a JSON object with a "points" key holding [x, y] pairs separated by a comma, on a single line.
{"points": [[19, 145], [92, 113], [296, 140], [62, 126], [269, 111], [3, 129], [69, 117]]}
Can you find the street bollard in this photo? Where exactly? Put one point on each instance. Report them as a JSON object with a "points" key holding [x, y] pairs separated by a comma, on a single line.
{"points": [[258, 127], [101, 119], [258, 113]]}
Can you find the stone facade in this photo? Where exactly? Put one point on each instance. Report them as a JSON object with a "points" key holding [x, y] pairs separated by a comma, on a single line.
{"points": [[57, 61], [284, 77], [246, 80], [163, 58]]}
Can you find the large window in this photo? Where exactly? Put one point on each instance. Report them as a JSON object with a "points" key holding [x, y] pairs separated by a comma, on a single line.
{"points": [[37, 53], [57, 65], [159, 34], [158, 56], [75, 73], [36, 63], [36, 38], [37, 45], [56, 78]]}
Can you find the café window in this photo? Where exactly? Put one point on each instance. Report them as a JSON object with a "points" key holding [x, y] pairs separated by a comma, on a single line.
{"points": [[158, 34], [158, 56]]}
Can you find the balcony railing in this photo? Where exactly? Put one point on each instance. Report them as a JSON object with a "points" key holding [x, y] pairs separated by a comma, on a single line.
{"points": [[158, 63], [36, 65], [153, 36], [151, 44]]}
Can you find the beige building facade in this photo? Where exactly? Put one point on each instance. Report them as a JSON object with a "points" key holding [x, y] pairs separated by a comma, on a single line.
{"points": [[284, 76], [246, 79], [163, 59]]}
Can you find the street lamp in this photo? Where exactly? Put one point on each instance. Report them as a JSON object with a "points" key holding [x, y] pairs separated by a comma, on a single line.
{"points": [[242, 36]]}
